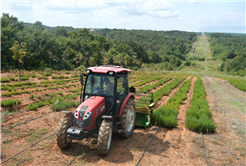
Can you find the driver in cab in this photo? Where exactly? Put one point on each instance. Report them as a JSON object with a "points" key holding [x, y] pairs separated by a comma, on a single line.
{"points": [[109, 86]]}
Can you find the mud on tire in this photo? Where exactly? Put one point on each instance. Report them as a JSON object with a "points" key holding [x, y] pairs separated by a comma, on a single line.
{"points": [[128, 118], [62, 141], [104, 137]]}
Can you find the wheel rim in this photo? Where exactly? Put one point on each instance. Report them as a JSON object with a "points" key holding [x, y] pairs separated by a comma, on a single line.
{"points": [[109, 138], [130, 119]]}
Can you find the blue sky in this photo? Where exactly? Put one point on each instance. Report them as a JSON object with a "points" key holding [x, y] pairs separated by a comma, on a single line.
{"points": [[185, 15]]}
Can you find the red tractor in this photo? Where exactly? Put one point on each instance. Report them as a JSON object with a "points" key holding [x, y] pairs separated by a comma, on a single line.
{"points": [[107, 106]]}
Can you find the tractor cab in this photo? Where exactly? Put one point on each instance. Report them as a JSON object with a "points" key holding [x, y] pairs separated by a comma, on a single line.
{"points": [[109, 82]]}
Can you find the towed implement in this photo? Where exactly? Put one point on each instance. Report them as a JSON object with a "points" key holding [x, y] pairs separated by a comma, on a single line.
{"points": [[108, 105]]}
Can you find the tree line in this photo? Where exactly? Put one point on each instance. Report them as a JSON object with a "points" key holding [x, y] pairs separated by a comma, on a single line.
{"points": [[69, 48], [231, 49]]}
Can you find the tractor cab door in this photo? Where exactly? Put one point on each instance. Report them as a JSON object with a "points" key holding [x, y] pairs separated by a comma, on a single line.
{"points": [[122, 90]]}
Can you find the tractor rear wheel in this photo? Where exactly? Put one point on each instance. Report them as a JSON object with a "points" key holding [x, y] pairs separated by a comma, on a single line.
{"points": [[62, 141], [128, 118], [104, 137]]}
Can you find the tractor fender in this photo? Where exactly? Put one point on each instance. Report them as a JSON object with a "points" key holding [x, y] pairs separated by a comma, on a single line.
{"points": [[67, 112], [124, 103]]}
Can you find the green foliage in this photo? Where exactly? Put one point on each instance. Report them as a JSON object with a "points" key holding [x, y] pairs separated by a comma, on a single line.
{"points": [[153, 86], [5, 79], [47, 74], [167, 88], [6, 94], [60, 77], [9, 103], [129, 48], [41, 77], [239, 83], [24, 78], [60, 93], [33, 75], [231, 49], [63, 105], [187, 63], [198, 117]]}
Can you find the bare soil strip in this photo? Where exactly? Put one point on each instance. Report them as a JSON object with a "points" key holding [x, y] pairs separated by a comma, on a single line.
{"points": [[227, 146]]}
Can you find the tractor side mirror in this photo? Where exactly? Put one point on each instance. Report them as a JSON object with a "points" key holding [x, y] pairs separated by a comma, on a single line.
{"points": [[81, 79], [132, 89], [125, 83]]}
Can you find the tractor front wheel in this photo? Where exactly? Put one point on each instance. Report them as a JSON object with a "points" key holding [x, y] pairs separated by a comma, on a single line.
{"points": [[104, 137], [62, 141], [128, 118]]}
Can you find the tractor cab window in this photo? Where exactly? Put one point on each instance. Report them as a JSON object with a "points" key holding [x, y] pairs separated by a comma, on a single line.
{"points": [[99, 84]]}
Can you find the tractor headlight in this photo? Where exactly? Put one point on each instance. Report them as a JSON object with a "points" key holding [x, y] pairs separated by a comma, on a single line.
{"points": [[88, 71], [87, 115]]}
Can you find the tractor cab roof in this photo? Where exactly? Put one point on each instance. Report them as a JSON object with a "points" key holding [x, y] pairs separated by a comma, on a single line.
{"points": [[108, 68]]}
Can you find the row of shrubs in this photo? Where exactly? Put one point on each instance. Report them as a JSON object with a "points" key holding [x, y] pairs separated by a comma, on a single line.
{"points": [[13, 79], [137, 78], [153, 86], [14, 89], [146, 80], [9, 103], [164, 91], [15, 92], [198, 117], [63, 105], [166, 116], [50, 100], [237, 82], [60, 77]]}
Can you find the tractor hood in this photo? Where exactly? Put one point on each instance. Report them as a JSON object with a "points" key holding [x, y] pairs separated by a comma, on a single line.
{"points": [[87, 112]]}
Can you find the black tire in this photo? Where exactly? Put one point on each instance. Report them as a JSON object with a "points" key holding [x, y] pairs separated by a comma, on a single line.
{"points": [[104, 137], [128, 119], [62, 141]]}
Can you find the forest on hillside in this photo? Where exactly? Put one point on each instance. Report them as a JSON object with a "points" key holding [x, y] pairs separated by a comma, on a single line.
{"points": [[69, 48], [232, 50]]}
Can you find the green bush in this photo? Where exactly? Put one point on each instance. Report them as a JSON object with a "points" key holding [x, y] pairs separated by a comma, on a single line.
{"points": [[9, 103], [60, 93], [33, 75], [187, 63], [24, 78], [7, 94], [63, 105], [5, 79]]}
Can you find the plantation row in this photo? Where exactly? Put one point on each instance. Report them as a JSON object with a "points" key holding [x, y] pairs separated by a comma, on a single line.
{"points": [[198, 117], [164, 91], [146, 80], [52, 100], [27, 77], [237, 82], [166, 115], [153, 86], [14, 92]]}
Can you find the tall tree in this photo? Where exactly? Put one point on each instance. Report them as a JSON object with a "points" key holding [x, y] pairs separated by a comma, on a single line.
{"points": [[19, 53]]}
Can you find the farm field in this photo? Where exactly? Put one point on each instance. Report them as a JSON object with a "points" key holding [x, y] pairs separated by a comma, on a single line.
{"points": [[170, 145]]}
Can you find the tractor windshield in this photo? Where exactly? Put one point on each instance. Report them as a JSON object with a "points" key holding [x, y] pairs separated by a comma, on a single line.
{"points": [[99, 84]]}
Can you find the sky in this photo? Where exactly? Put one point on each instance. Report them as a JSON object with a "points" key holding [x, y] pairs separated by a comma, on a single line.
{"points": [[184, 15]]}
